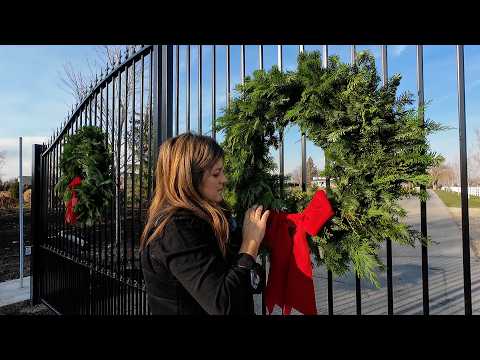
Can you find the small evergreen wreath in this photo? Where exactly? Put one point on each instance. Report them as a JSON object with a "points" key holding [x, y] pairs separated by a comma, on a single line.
{"points": [[377, 151], [86, 182]]}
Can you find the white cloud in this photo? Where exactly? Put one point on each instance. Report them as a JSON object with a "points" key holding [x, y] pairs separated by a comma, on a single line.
{"points": [[397, 50], [10, 148]]}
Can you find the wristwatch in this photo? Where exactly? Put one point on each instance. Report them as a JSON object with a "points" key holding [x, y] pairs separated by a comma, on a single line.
{"points": [[247, 261]]}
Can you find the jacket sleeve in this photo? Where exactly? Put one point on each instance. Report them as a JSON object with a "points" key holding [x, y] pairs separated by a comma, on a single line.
{"points": [[189, 253]]}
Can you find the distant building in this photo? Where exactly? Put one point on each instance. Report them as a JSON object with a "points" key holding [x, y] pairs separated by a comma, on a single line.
{"points": [[319, 181]]}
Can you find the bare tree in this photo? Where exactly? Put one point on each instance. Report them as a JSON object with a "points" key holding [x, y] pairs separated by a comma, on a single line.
{"points": [[2, 161], [473, 165], [443, 175], [296, 175], [76, 82], [312, 170]]}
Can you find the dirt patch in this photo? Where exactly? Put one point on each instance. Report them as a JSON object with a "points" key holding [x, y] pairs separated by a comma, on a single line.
{"points": [[10, 243]]}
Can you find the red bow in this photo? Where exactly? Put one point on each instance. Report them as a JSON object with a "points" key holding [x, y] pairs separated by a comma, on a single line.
{"points": [[70, 216], [290, 281]]}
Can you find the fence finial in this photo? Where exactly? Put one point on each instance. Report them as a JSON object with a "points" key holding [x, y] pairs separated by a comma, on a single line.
{"points": [[126, 52]]}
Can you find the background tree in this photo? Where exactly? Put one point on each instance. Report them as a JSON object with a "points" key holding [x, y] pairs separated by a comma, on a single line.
{"points": [[312, 170], [296, 175], [2, 162]]}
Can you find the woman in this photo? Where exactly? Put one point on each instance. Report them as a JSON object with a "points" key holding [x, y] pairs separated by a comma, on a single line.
{"points": [[194, 259]]}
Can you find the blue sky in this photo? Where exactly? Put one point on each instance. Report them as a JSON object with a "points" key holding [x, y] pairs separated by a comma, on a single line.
{"points": [[33, 101]]}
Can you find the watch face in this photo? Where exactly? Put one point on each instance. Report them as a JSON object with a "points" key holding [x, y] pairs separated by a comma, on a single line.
{"points": [[254, 279]]}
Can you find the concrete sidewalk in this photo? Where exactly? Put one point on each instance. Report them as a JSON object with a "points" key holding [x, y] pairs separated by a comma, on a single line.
{"points": [[11, 293]]}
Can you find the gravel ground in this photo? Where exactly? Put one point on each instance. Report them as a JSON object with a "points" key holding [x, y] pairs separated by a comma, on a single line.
{"points": [[24, 308]]}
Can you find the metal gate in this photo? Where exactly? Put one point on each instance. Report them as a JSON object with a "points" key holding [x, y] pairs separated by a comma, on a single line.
{"points": [[79, 270]]}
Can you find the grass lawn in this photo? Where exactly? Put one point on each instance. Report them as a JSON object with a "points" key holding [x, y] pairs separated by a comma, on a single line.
{"points": [[452, 199]]}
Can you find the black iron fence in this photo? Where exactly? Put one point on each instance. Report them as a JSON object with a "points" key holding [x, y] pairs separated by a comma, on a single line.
{"points": [[137, 104]]}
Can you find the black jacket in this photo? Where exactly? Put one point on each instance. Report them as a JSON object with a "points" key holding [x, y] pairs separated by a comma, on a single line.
{"points": [[185, 272]]}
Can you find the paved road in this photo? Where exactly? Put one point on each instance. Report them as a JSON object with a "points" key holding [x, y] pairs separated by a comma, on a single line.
{"points": [[445, 270]]}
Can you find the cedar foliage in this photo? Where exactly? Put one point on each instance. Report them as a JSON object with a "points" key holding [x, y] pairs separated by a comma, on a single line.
{"points": [[86, 155], [375, 144]]}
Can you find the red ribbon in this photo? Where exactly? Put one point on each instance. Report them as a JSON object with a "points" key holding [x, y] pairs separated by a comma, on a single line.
{"points": [[70, 216], [290, 279]]}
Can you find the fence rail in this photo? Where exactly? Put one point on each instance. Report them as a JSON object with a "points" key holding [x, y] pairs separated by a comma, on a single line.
{"points": [[138, 106]]}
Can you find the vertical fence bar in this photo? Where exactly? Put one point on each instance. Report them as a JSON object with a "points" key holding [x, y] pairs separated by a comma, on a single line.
{"points": [[103, 232], [200, 89], [327, 184], [132, 215], [167, 93], [36, 224], [388, 241], [358, 288], [119, 151], [113, 207], [188, 89], [54, 196], [83, 122], [177, 88], [303, 147], [49, 194], [57, 199], [214, 92], [141, 159], [264, 258], [62, 209], [124, 294], [96, 224], [242, 64], [281, 146], [423, 204], [228, 76], [150, 130], [162, 95], [467, 290]]}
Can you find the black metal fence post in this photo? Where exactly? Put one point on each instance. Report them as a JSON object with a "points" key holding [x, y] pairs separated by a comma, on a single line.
{"points": [[162, 95], [36, 222], [467, 283]]}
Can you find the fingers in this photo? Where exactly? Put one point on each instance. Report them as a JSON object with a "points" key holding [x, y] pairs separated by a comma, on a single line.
{"points": [[251, 213], [255, 213], [258, 212], [265, 217]]}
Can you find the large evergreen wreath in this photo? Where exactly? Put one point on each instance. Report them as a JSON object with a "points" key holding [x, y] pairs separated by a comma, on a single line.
{"points": [[376, 146], [86, 173]]}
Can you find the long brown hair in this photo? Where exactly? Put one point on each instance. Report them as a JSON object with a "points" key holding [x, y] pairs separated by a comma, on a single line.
{"points": [[181, 163]]}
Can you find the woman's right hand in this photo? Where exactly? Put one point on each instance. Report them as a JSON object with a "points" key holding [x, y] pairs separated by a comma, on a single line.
{"points": [[253, 231]]}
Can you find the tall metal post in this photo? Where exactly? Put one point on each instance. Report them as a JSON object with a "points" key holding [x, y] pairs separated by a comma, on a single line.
{"points": [[20, 202], [467, 290], [423, 204], [388, 241], [37, 222]]}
